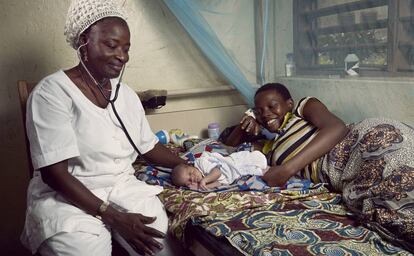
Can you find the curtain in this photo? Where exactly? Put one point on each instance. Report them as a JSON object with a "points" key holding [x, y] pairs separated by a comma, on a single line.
{"points": [[228, 18]]}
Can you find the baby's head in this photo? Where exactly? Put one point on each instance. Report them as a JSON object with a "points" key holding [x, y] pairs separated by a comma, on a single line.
{"points": [[185, 175]]}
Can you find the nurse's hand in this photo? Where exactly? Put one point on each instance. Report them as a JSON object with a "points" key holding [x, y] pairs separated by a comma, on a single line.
{"points": [[250, 125], [132, 227]]}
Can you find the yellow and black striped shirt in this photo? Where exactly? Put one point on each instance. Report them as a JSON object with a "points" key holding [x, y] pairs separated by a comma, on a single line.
{"points": [[292, 139]]}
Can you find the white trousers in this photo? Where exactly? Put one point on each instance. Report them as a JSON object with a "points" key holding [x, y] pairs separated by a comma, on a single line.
{"points": [[83, 244], [86, 244]]}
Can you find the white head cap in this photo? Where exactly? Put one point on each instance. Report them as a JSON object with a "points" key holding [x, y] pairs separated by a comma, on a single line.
{"points": [[83, 13]]}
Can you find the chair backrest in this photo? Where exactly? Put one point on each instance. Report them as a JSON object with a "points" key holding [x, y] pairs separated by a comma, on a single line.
{"points": [[24, 89]]}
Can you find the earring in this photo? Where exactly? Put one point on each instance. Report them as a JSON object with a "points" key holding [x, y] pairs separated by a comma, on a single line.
{"points": [[85, 57]]}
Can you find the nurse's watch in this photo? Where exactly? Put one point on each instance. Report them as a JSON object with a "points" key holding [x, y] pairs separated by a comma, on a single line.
{"points": [[102, 208]]}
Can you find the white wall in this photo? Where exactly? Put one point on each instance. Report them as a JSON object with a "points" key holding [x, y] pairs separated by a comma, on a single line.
{"points": [[356, 99]]}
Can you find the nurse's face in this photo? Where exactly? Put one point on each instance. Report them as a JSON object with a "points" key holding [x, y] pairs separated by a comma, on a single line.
{"points": [[107, 48]]}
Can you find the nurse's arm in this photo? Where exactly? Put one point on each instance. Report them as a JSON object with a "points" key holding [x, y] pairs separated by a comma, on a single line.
{"points": [[160, 155], [58, 178]]}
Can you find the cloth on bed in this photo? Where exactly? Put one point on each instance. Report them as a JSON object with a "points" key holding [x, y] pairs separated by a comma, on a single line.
{"points": [[310, 227], [373, 166], [186, 204], [305, 222], [300, 218]]}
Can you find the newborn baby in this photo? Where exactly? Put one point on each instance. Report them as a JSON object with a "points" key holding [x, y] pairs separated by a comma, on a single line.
{"points": [[211, 170]]}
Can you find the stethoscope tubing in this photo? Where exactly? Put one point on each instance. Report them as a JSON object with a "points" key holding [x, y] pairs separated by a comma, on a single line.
{"points": [[112, 103]]}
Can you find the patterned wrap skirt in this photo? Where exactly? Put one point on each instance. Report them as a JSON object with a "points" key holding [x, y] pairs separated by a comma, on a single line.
{"points": [[373, 166]]}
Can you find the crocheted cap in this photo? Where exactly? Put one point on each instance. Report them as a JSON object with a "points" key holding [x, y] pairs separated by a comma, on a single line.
{"points": [[83, 13]]}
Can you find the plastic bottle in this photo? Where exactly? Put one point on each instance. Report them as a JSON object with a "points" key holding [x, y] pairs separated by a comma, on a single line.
{"points": [[290, 67], [351, 65], [213, 130], [163, 136]]}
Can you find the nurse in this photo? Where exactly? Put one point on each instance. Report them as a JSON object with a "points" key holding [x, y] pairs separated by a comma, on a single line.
{"points": [[84, 189]]}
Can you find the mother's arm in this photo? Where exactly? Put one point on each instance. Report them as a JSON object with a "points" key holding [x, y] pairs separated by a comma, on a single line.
{"points": [[331, 131]]}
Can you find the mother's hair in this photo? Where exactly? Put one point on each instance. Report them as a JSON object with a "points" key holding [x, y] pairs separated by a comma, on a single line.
{"points": [[279, 88]]}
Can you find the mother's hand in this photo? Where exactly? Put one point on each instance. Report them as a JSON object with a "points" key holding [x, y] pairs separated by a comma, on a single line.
{"points": [[132, 227], [277, 176], [250, 125]]}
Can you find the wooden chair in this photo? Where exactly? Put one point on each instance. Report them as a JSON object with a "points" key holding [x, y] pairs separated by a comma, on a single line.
{"points": [[25, 88]]}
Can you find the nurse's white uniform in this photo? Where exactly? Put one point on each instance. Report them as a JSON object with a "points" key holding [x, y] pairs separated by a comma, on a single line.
{"points": [[63, 124]]}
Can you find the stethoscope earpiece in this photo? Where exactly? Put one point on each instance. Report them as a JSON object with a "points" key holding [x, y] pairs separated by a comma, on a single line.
{"points": [[82, 45]]}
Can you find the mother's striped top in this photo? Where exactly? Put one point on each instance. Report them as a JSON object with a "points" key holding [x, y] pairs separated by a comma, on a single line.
{"points": [[292, 139]]}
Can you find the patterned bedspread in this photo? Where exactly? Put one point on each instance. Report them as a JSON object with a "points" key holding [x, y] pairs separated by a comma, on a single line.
{"points": [[298, 228], [269, 223], [299, 219]]}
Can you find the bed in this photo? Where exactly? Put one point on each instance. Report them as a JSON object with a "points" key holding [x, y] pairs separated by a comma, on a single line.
{"points": [[250, 218]]}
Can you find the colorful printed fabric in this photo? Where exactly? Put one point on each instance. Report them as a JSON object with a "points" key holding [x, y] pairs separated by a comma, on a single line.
{"points": [[186, 204], [374, 168], [310, 222], [316, 227]]}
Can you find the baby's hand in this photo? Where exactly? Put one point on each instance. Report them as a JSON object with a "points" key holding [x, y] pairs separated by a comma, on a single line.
{"points": [[193, 186], [203, 184]]}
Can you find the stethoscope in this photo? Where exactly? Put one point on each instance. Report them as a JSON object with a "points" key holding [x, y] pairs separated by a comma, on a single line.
{"points": [[112, 103]]}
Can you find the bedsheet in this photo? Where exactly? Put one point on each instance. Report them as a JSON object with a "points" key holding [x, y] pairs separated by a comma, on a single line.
{"points": [[300, 218], [269, 223], [186, 205], [310, 227]]}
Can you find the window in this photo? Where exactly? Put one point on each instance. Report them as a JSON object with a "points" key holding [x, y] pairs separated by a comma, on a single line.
{"points": [[379, 32]]}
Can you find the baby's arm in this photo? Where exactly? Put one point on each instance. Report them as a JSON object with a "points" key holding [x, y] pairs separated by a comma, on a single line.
{"points": [[213, 184], [213, 176]]}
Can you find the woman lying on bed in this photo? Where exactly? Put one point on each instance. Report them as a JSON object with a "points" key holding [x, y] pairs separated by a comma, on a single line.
{"points": [[371, 162]]}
